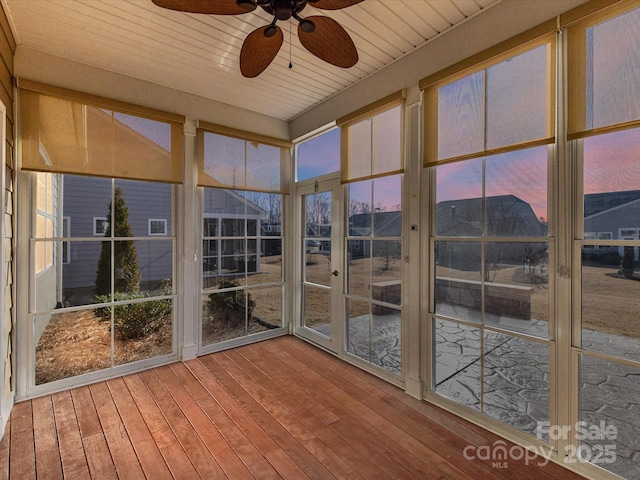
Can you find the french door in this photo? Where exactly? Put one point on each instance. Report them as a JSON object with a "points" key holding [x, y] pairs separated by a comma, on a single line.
{"points": [[320, 272]]}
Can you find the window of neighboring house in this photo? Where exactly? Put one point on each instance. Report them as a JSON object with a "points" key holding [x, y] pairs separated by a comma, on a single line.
{"points": [[66, 246], [100, 225], [589, 236], [604, 236], [157, 226]]}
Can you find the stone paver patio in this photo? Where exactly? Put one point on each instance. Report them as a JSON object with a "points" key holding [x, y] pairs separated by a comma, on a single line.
{"points": [[515, 385]]}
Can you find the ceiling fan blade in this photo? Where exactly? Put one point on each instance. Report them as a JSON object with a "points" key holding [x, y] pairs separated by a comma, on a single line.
{"points": [[332, 4], [329, 42], [259, 51], [212, 7]]}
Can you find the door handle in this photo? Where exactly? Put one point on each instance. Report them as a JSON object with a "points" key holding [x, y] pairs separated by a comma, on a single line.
{"points": [[334, 273]]}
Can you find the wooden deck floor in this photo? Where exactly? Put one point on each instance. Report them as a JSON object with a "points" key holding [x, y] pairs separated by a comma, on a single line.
{"points": [[276, 409]]}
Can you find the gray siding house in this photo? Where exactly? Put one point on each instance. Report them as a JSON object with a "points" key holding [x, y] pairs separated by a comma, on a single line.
{"points": [[505, 216], [149, 204], [611, 216]]}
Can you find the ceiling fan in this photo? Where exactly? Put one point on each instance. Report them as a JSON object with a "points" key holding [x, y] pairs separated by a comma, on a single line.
{"points": [[322, 36]]}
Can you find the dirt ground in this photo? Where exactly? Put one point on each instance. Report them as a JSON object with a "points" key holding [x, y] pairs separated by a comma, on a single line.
{"points": [[77, 342]]}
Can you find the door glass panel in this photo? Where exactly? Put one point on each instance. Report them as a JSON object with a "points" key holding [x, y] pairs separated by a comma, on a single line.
{"points": [[316, 306], [317, 238], [317, 294], [317, 261]]}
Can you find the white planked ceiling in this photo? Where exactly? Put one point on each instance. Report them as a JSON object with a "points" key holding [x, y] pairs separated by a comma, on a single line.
{"points": [[198, 53]]}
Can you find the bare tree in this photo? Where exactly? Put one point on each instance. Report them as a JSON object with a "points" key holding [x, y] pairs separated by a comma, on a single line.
{"points": [[319, 209], [270, 203]]}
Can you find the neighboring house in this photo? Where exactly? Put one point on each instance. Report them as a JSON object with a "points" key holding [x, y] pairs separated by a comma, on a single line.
{"points": [[271, 246], [320, 234], [385, 225], [224, 214], [505, 216], [85, 209], [611, 216], [149, 205]]}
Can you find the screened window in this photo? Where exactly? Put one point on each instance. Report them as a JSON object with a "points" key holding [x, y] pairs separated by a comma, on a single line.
{"points": [[502, 104], [239, 160], [604, 124], [373, 165], [371, 140], [604, 90], [45, 219], [244, 177], [66, 250], [318, 156], [115, 299], [65, 132], [487, 130]]}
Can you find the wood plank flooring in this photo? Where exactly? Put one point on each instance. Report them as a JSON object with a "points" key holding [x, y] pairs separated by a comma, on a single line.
{"points": [[276, 409]]}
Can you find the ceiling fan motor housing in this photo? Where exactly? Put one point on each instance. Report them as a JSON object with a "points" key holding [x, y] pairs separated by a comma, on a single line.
{"points": [[284, 9]]}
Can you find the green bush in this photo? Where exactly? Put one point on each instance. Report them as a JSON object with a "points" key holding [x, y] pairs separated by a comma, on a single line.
{"points": [[627, 263], [233, 306], [610, 258], [135, 320]]}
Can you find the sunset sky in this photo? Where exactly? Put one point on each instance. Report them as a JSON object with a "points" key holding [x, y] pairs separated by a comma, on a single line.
{"points": [[611, 164]]}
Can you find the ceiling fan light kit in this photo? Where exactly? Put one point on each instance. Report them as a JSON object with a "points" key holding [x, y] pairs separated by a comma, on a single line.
{"points": [[320, 35]]}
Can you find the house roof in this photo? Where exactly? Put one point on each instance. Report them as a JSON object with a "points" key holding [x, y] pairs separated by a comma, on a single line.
{"points": [[386, 224], [595, 203], [505, 214]]}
